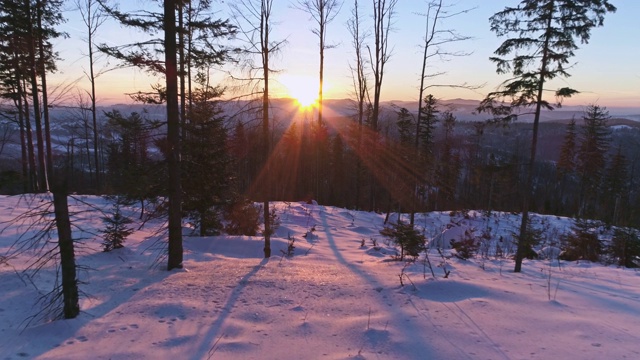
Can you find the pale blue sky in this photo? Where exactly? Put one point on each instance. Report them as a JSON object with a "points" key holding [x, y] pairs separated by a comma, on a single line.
{"points": [[606, 69]]}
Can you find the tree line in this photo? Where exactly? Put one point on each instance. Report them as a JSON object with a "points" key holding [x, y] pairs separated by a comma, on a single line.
{"points": [[206, 160]]}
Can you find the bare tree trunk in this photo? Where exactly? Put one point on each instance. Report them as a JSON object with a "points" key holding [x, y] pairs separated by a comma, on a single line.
{"points": [[175, 257], [183, 100], [33, 170], [383, 11], [45, 100], [361, 90], [67, 255], [23, 134], [264, 36], [93, 18], [528, 189], [42, 173]]}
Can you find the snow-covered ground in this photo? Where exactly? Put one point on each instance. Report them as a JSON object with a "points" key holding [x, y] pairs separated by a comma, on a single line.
{"points": [[332, 299]]}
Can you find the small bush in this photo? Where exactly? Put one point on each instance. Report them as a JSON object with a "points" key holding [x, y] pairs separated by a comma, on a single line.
{"points": [[290, 246], [243, 219], [410, 240], [532, 237], [116, 230], [625, 247], [274, 222], [467, 246], [583, 242], [206, 222]]}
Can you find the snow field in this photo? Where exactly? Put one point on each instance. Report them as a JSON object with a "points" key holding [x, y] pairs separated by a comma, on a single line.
{"points": [[333, 299]]}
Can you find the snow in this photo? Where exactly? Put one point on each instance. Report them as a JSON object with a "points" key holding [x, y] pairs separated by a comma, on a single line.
{"points": [[332, 299]]}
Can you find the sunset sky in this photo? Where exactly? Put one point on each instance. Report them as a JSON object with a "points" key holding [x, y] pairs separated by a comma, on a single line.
{"points": [[606, 70]]}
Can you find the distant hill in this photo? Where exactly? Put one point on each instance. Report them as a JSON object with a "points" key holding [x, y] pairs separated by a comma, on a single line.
{"points": [[66, 120]]}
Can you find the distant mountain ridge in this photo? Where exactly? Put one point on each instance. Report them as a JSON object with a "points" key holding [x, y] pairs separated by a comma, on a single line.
{"points": [[286, 110]]}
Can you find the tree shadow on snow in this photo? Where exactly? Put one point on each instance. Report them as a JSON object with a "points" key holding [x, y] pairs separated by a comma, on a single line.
{"points": [[209, 343]]}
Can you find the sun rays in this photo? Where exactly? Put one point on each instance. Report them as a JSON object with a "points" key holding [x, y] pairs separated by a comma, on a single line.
{"points": [[302, 88]]}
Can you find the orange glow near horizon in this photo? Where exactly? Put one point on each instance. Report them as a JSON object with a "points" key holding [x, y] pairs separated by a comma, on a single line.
{"points": [[302, 88]]}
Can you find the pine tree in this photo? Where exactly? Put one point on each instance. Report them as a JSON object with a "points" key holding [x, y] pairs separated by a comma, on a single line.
{"points": [[616, 188], [449, 165], [594, 144], [131, 170], [116, 228], [206, 175], [405, 126], [625, 247], [545, 34], [426, 133], [26, 51], [583, 242], [567, 161]]}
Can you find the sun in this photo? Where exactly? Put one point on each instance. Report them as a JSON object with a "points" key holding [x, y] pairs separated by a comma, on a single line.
{"points": [[302, 88]]}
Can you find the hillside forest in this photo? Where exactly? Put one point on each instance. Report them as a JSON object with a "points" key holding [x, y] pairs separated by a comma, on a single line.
{"points": [[204, 153]]}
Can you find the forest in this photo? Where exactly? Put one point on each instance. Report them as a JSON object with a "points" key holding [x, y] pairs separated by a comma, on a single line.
{"points": [[198, 152]]}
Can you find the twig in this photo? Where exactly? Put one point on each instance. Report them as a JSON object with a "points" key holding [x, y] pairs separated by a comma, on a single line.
{"points": [[214, 348]]}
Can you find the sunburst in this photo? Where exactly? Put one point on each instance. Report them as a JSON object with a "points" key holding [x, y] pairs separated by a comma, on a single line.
{"points": [[302, 88]]}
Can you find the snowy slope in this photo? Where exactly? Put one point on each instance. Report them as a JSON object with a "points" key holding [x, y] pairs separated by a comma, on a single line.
{"points": [[333, 299]]}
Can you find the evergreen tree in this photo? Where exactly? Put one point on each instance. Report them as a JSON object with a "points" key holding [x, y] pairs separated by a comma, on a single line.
{"points": [[545, 33], [26, 51], [583, 242], [594, 144], [625, 247], [449, 165], [206, 180], [405, 126], [411, 241], [567, 161], [616, 188], [426, 132], [116, 228], [131, 170]]}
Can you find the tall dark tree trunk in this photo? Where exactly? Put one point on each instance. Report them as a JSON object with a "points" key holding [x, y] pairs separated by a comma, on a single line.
{"points": [[183, 95], [33, 169], [33, 77], [175, 257], [22, 124], [67, 254], [94, 113], [43, 83], [528, 189], [266, 11]]}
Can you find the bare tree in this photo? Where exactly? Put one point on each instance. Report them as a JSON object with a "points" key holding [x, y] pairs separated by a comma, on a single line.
{"points": [[93, 18], [435, 38], [254, 19], [322, 12], [173, 137], [383, 13], [45, 217], [360, 87], [47, 16]]}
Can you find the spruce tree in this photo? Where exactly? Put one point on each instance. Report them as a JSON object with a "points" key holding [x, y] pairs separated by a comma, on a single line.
{"points": [[116, 228], [206, 178], [616, 188], [594, 144], [544, 36], [567, 161]]}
